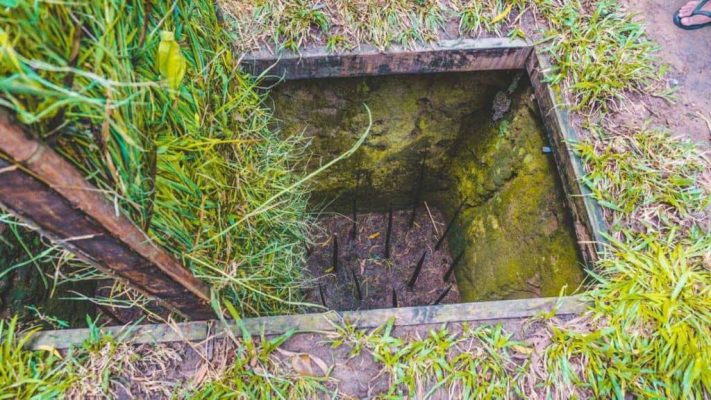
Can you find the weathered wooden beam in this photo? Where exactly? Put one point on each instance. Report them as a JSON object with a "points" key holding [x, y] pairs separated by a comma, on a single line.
{"points": [[323, 322], [459, 55], [588, 219], [44, 190]]}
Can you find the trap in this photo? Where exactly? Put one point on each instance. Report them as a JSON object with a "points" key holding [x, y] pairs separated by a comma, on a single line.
{"points": [[464, 203], [458, 194]]}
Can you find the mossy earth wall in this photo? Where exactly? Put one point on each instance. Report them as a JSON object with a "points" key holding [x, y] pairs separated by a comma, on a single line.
{"points": [[514, 230]]}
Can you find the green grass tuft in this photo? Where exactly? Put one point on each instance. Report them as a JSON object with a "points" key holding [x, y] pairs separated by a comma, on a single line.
{"points": [[184, 164], [28, 374]]}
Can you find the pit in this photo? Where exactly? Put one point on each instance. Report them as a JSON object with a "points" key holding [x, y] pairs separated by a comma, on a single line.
{"points": [[464, 203], [455, 193]]}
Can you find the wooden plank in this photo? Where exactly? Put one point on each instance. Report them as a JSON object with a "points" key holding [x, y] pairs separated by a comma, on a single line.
{"points": [[588, 218], [447, 56], [44, 190], [405, 316]]}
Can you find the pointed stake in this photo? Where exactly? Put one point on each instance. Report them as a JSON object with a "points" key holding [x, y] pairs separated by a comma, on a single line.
{"points": [[389, 231], [449, 225], [443, 295], [323, 298], [354, 230], [335, 253], [357, 284], [418, 268], [451, 267], [418, 192], [394, 298]]}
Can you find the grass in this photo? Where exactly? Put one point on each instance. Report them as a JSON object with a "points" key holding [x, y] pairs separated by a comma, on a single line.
{"points": [[108, 367], [168, 157], [481, 362], [254, 371], [27, 374], [599, 53], [646, 179], [184, 162], [647, 332]]}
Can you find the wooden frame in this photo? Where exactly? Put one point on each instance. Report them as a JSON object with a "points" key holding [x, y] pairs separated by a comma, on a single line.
{"points": [[463, 55], [45, 191]]}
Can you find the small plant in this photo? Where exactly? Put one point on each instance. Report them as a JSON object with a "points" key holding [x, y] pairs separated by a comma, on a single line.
{"points": [[27, 374], [254, 372], [652, 181]]}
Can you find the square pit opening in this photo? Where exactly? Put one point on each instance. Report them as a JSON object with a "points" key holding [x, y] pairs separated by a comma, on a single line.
{"points": [[456, 174]]}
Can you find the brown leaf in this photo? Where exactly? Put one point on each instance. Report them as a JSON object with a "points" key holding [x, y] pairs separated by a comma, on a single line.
{"points": [[306, 365]]}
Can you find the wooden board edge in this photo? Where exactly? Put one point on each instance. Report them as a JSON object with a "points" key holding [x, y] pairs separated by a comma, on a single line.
{"points": [[589, 220], [462, 55], [405, 316]]}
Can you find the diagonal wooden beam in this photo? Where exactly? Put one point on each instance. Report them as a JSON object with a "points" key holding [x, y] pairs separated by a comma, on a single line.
{"points": [[44, 190]]}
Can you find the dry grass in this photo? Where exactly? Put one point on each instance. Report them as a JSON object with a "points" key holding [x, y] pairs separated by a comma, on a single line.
{"points": [[109, 370]]}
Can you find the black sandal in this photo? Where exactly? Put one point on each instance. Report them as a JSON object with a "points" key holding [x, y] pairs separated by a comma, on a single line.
{"points": [[697, 11]]}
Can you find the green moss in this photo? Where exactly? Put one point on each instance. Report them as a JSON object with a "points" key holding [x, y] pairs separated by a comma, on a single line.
{"points": [[517, 238], [411, 115]]}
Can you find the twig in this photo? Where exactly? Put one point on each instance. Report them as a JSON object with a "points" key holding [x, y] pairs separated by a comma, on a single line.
{"points": [[434, 224], [354, 230], [708, 122], [323, 298]]}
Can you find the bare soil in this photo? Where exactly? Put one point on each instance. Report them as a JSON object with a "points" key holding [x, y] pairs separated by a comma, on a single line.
{"points": [[362, 261], [688, 56]]}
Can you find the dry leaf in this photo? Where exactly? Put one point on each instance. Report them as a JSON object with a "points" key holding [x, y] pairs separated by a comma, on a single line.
{"points": [[50, 349], [501, 16], [200, 374], [305, 364], [374, 235], [522, 349]]}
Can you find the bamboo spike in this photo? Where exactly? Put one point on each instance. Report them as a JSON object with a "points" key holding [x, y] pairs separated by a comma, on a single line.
{"points": [[418, 268], [389, 232], [451, 267], [443, 295], [394, 298], [354, 230], [357, 284], [449, 225], [335, 253], [418, 192], [323, 298]]}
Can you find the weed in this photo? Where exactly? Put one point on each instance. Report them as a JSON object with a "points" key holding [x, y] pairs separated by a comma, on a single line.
{"points": [[652, 181], [26, 374], [185, 163]]}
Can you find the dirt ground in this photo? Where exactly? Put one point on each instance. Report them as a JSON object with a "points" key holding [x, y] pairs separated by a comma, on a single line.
{"points": [[688, 55], [364, 278], [350, 376]]}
